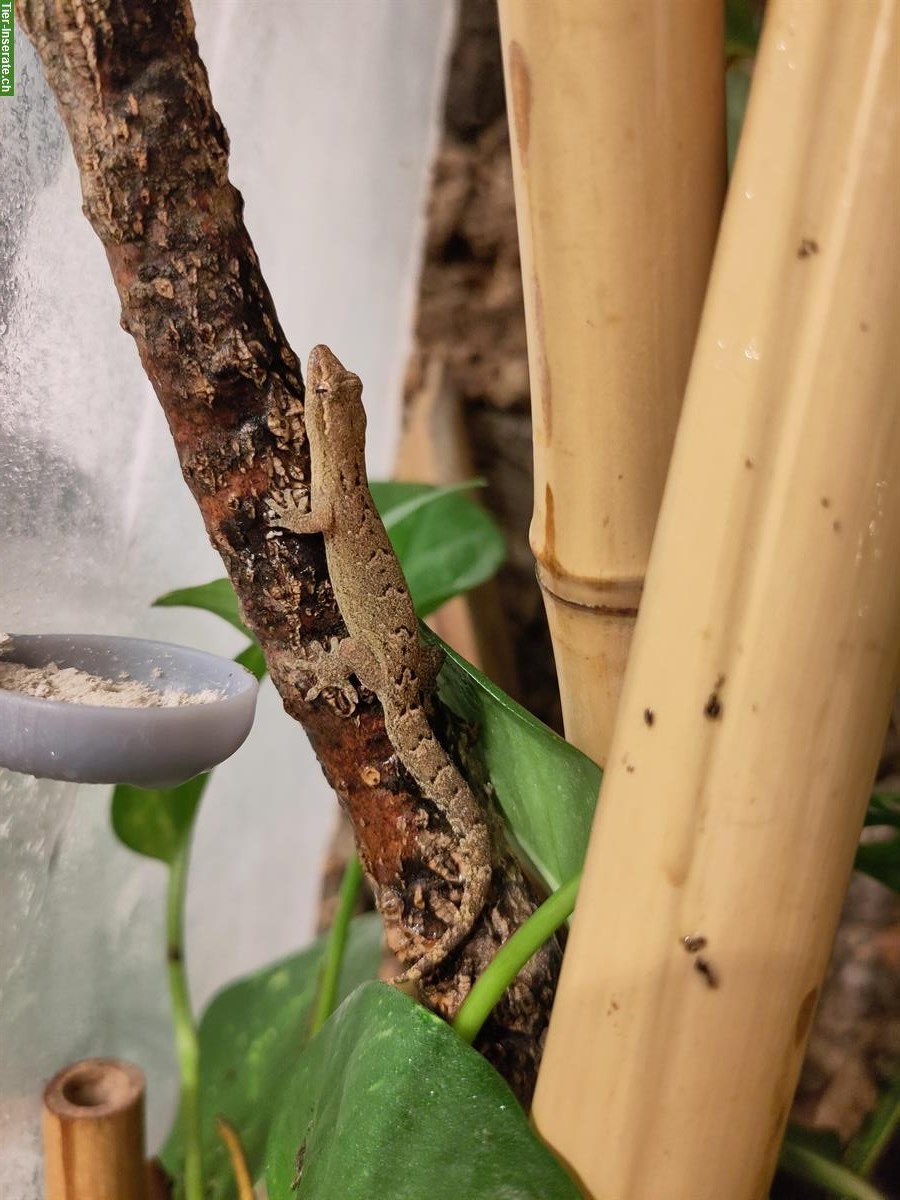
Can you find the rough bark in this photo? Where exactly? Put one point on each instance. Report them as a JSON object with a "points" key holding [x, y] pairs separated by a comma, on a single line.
{"points": [[153, 158]]}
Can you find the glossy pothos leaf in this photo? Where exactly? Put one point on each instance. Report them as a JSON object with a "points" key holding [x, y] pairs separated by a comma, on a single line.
{"points": [[251, 1038], [387, 1101]]}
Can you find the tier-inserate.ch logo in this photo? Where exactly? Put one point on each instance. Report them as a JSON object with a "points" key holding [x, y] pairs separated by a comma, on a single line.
{"points": [[7, 49]]}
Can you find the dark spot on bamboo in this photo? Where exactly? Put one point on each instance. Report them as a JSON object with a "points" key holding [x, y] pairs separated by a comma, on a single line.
{"points": [[836, 526], [520, 87], [549, 524], [825, 502], [693, 942], [748, 463], [703, 967], [807, 247], [713, 707], [649, 716], [805, 1016]]}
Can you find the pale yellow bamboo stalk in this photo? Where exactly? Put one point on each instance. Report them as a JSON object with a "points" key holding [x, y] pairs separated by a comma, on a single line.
{"points": [[616, 110], [765, 656]]}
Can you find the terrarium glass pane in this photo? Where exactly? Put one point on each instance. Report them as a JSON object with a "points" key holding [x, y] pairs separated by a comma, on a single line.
{"points": [[331, 110]]}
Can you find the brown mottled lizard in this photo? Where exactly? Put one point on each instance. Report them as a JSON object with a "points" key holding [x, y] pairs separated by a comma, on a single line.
{"points": [[382, 647]]}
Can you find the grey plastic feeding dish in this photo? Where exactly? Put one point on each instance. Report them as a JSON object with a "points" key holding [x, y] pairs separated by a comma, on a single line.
{"points": [[150, 747]]}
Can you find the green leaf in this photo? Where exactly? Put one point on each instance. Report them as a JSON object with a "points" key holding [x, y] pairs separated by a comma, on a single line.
{"points": [[387, 1101], [546, 788], [881, 860], [396, 500], [737, 92], [155, 821], [807, 1155], [742, 24], [251, 1038], [743, 20], [884, 809], [879, 1130], [446, 543], [252, 658], [823, 1142], [216, 597]]}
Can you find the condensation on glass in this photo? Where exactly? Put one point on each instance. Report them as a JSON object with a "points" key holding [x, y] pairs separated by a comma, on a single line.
{"points": [[331, 109]]}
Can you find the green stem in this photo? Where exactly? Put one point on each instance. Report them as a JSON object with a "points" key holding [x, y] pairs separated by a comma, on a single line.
{"points": [[186, 1044], [512, 957], [867, 1147], [806, 1164], [337, 941]]}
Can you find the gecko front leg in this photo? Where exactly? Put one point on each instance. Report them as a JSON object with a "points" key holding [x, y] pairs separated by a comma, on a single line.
{"points": [[287, 514]]}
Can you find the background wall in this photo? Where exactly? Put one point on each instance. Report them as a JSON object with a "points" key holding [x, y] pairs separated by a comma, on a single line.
{"points": [[331, 106]]}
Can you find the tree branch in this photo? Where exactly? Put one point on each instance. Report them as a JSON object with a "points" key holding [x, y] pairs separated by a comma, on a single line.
{"points": [[153, 158]]}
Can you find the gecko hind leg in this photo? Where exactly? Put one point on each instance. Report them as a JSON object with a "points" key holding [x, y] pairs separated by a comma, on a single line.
{"points": [[359, 660], [327, 670], [332, 666]]}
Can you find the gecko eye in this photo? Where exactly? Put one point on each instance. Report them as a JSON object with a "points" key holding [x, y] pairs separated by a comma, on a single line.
{"points": [[322, 390]]}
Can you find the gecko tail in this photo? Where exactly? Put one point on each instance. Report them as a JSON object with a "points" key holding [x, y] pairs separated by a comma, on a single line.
{"points": [[473, 903], [433, 957]]}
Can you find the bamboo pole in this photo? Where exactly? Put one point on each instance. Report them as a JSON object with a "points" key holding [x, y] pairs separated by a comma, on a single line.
{"points": [[93, 1128], [765, 657], [435, 449], [617, 110]]}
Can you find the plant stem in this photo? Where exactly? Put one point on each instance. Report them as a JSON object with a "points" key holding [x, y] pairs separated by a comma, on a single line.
{"points": [[236, 1153], [512, 957], [807, 1164], [337, 941], [186, 1044], [866, 1148]]}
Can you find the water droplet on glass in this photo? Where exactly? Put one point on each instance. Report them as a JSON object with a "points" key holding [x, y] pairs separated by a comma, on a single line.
{"points": [[751, 350]]}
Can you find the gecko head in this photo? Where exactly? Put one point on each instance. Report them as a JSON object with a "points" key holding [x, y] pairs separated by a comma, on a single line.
{"points": [[327, 377]]}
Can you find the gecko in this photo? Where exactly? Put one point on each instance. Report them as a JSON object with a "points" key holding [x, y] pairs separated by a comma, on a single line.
{"points": [[382, 647]]}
